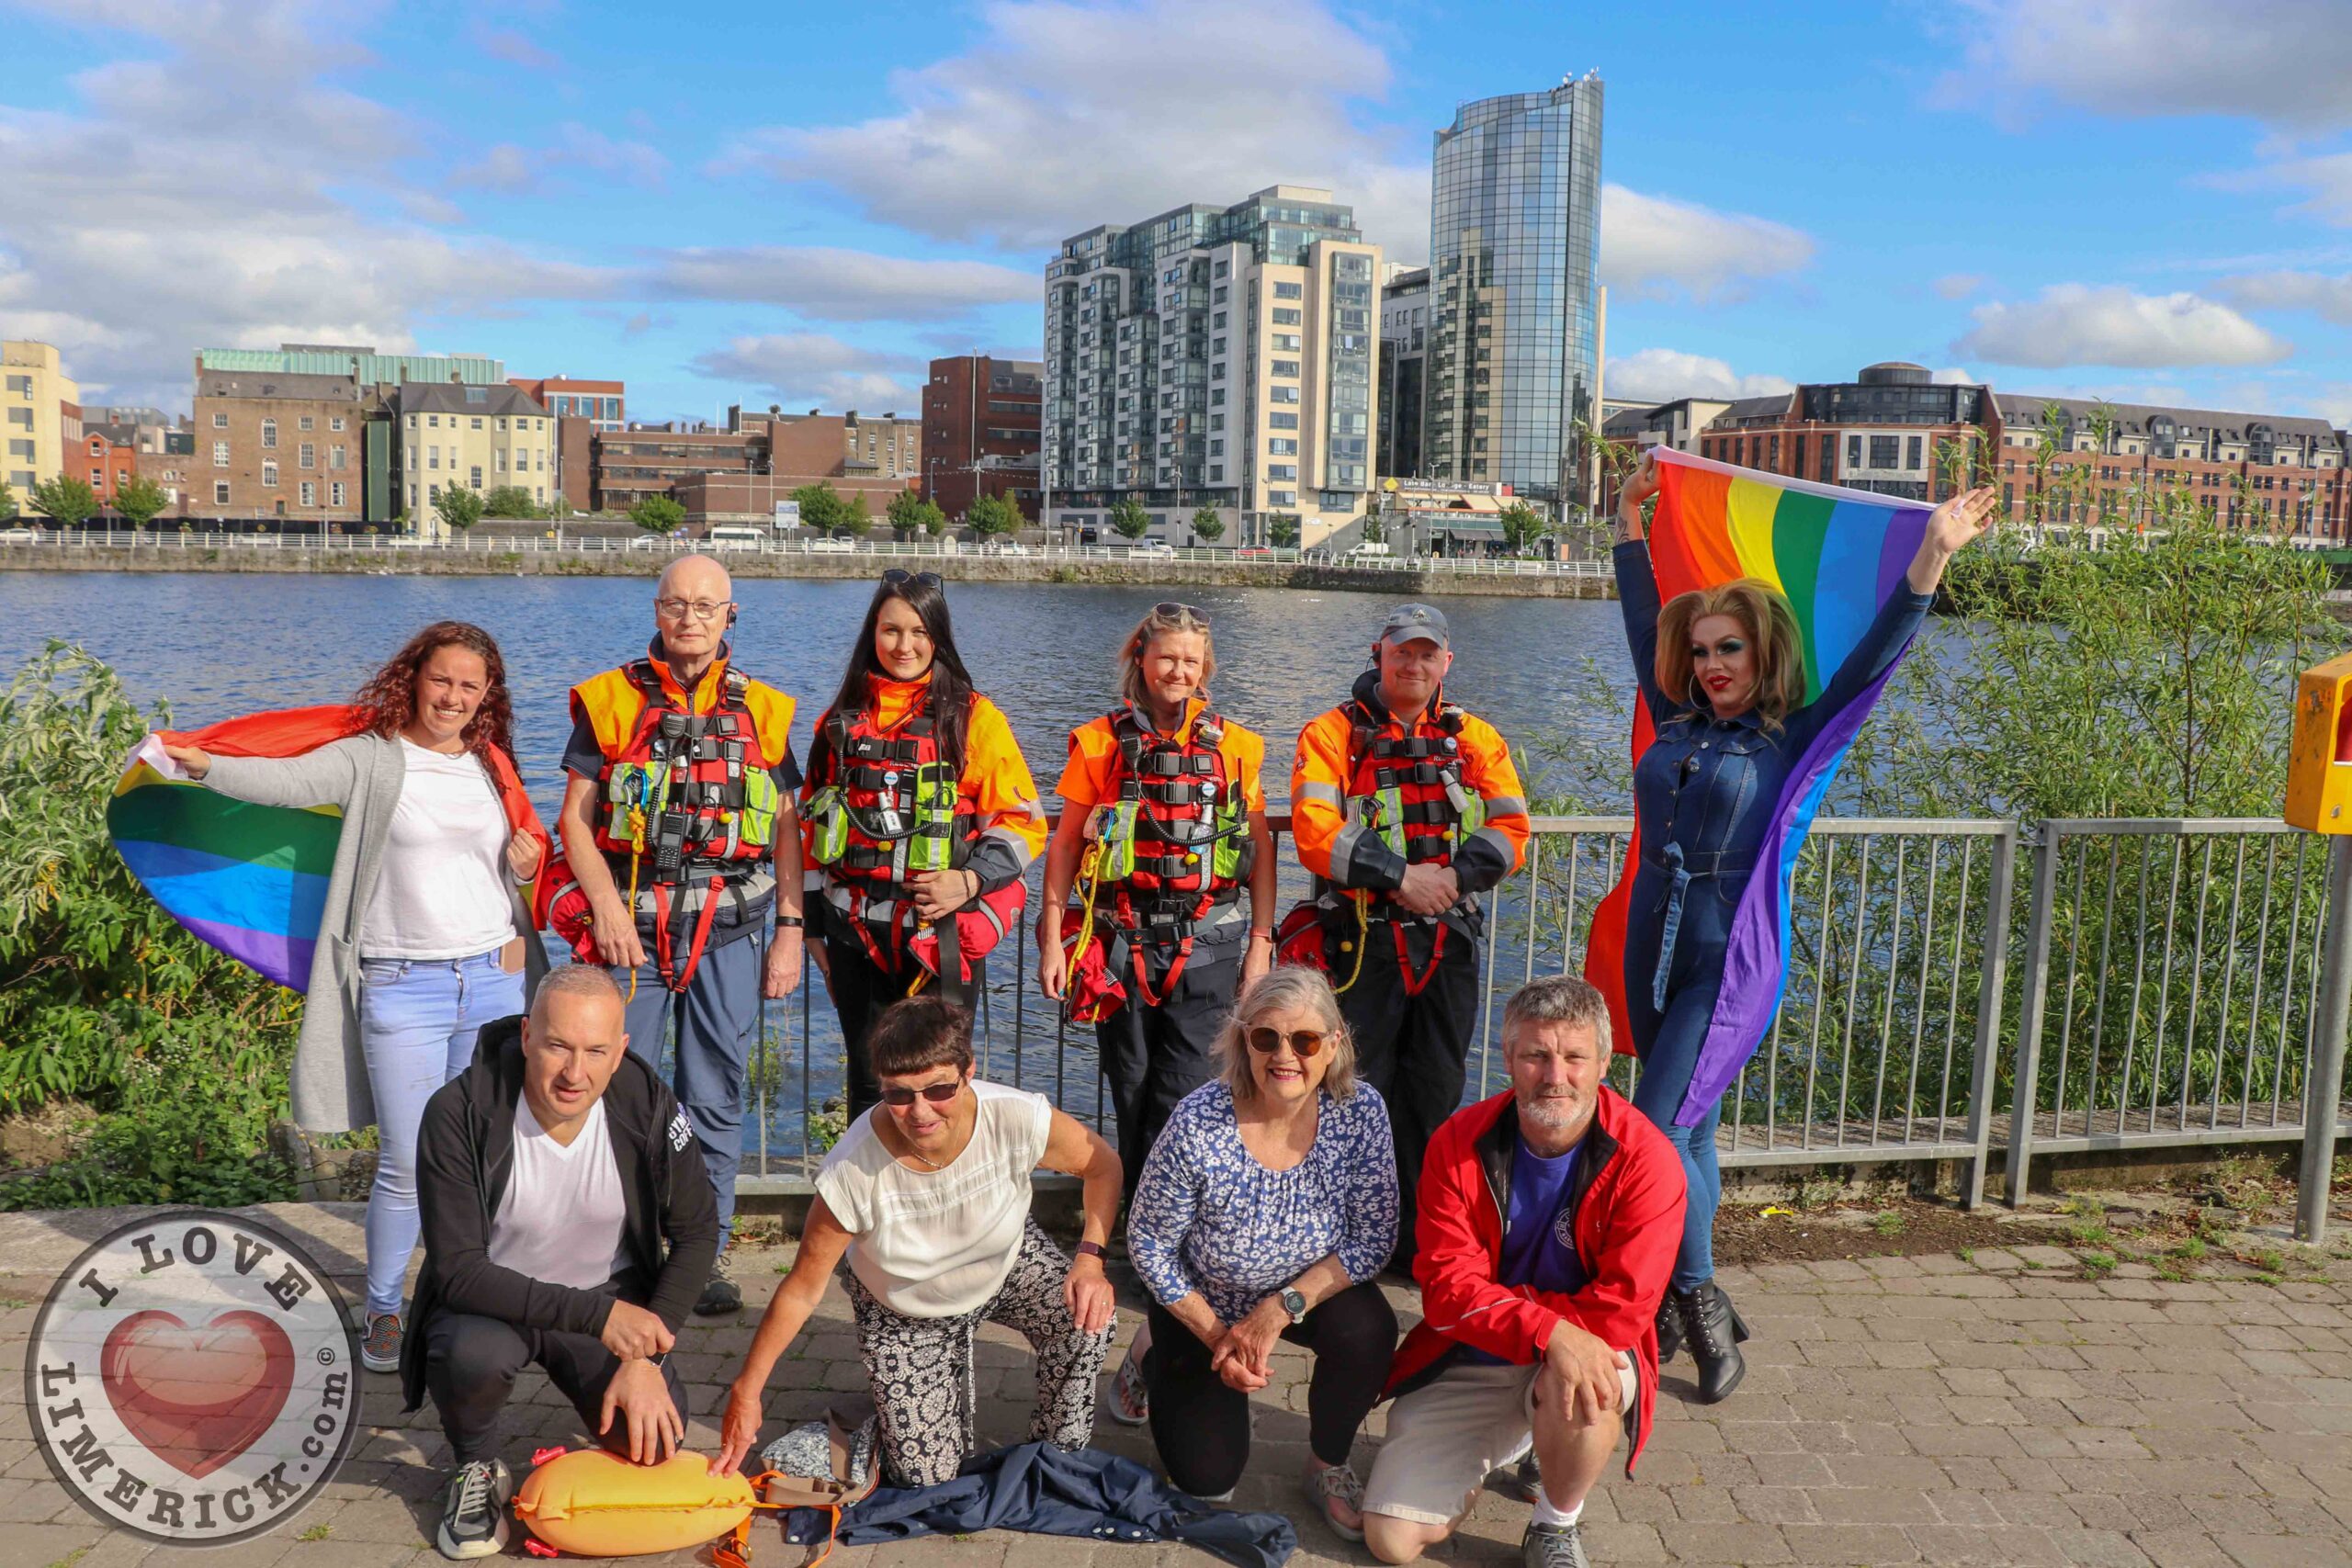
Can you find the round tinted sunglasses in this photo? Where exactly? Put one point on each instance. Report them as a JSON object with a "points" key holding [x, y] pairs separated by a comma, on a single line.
{"points": [[1304, 1043], [1169, 610]]}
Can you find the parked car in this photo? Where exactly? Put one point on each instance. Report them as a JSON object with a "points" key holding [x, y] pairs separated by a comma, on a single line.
{"points": [[1253, 550], [20, 535], [1369, 548], [1004, 547], [1147, 549], [833, 546], [736, 537], [1089, 536]]}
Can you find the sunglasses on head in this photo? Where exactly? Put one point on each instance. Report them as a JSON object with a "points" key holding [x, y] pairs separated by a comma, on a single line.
{"points": [[1304, 1043], [1169, 610], [937, 1093], [898, 577]]}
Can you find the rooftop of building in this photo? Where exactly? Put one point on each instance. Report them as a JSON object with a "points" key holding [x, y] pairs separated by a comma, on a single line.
{"points": [[277, 384], [1407, 281], [118, 434], [2140, 419], [449, 397]]}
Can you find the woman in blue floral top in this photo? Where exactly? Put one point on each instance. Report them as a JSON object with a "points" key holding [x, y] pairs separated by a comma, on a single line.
{"points": [[1265, 1209]]}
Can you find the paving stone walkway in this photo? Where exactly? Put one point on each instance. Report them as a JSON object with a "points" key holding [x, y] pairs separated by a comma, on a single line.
{"points": [[1985, 1409]]}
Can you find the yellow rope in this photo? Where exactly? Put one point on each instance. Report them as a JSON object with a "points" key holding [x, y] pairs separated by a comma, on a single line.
{"points": [[636, 860], [1362, 899]]}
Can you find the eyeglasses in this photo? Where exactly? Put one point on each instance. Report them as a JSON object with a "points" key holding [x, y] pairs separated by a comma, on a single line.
{"points": [[1169, 610], [700, 609], [898, 577], [1304, 1043], [937, 1093]]}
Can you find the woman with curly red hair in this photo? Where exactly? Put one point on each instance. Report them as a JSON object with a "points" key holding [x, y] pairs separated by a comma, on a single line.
{"points": [[426, 912]]}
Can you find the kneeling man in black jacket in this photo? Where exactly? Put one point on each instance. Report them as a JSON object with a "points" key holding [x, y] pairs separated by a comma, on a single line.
{"points": [[568, 1222]]}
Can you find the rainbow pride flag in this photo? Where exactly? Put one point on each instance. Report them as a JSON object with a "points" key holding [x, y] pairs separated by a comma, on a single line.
{"points": [[249, 880], [1836, 556]]}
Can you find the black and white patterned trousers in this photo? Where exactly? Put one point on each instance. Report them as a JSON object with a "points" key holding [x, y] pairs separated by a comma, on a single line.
{"points": [[922, 1367]]}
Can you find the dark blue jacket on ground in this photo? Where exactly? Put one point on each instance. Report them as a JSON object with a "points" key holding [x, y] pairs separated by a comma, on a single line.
{"points": [[1044, 1490]]}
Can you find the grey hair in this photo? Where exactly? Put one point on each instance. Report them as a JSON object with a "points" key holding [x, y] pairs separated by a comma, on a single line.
{"points": [[1559, 998], [574, 980], [1292, 987]]}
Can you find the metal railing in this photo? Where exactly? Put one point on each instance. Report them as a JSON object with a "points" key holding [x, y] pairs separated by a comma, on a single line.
{"points": [[1937, 1008], [487, 542]]}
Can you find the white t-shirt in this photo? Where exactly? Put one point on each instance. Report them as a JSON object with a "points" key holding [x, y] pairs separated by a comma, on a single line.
{"points": [[939, 1244], [560, 1217], [443, 888]]}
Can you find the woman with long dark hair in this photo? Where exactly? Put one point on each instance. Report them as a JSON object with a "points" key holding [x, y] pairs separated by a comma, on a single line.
{"points": [[919, 812], [427, 932]]}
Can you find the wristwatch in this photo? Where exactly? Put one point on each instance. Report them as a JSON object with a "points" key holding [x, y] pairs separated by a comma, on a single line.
{"points": [[788, 923], [1088, 1249], [1294, 1305]]}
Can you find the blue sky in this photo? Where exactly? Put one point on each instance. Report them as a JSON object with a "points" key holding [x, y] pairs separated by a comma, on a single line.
{"points": [[2144, 199]]}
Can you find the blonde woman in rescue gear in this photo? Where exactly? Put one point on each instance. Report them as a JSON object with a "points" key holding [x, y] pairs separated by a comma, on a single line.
{"points": [[1162, 832]]}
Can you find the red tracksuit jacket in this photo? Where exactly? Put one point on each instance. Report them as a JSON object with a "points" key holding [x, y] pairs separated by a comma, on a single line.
{"points": [[1628, 1200]]}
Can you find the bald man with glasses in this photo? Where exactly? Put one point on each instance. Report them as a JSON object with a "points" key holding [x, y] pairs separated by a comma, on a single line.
{"points": [[683, 846]]}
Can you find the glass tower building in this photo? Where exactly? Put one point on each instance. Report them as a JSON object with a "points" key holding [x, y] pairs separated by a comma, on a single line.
{"points": [[1514, 225]]}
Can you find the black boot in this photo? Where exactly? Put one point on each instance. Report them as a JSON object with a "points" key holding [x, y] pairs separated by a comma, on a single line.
{"points": [[1669, 1329], [1713, 1328]]}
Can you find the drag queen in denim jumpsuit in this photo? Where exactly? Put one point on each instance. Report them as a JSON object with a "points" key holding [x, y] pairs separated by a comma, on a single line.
{"points": [[1703, 796]]}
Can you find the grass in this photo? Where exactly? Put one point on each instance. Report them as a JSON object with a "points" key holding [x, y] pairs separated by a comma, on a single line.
{"points": [[1889, 1223], [316, 1532], [2098, 1265], [1966, 1255]]}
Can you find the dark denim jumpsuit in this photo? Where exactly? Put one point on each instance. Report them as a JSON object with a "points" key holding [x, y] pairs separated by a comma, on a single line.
{"points": [[1704, 794]]}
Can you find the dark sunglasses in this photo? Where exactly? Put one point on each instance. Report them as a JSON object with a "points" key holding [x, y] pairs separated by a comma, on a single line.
{"points": [[937, 1093], [1169, 610], [899, 576], [1304, 1043]]}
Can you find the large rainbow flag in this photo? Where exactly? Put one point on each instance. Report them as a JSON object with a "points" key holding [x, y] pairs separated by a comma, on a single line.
{"points": [[1836, 556], [249, 880]]}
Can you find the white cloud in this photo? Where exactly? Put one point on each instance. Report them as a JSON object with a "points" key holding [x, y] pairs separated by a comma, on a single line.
{"points": [[2324, 181], [831, 284], [803, 370], [1063, 117], [577, 149], [2278, 62], [2071, 323], [2327, 296], [1661, 375], [1654, 246], [1958, 285], [1953, 376], [514, 47]]}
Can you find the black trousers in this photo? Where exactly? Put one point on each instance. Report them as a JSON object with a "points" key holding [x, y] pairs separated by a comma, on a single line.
{"points": [[1154, 1056], [472, 1362], [1413, 1049], [860, 990], [1201, 1426]]}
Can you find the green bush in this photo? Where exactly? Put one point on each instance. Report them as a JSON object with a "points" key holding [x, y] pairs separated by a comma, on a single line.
{"points": [[179, 1053]]}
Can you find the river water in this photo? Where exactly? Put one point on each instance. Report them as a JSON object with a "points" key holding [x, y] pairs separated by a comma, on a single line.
{"points": [[216, 646]]}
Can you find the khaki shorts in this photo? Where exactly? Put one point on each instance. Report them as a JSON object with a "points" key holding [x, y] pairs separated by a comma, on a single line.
{"points": [[1444, 1437]]}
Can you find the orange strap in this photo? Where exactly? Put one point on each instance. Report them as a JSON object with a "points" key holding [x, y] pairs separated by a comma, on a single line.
{"points": [[734, 1548]]}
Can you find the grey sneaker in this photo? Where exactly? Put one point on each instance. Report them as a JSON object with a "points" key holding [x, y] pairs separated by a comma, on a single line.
{"points": [[1553, 1546], [720, 1296], [473, 1516], [379, 1347]]}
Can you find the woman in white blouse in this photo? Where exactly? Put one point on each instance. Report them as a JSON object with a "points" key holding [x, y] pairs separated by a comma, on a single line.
{"points": [[426, 932], [928, 1195]]}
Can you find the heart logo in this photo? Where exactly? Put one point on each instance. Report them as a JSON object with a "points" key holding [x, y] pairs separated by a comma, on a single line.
{"points": [[197, 1397]]}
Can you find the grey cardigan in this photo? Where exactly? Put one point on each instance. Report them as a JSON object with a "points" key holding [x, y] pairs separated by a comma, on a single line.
{"points": [[364, 776]]}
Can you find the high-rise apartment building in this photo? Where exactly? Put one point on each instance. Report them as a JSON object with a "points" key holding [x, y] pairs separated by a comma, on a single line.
{"points": [[1214, 355], [1403, 362], [35, 393], [1514, 355]]}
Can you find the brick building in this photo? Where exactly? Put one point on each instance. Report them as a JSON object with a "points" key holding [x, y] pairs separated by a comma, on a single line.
{"points": [[737, 473], [981, 430], [2266, 473], [104, 456], [276, 447], [628, 466]]}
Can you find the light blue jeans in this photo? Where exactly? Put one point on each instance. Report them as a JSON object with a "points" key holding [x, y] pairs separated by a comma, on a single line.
{"points": [[418, 1019]]}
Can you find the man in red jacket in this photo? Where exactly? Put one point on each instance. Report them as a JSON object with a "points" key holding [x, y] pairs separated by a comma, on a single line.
{"points": [[1549, 1218]]}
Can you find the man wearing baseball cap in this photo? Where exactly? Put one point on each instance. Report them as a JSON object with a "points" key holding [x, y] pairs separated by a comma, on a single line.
{"points": [[1405, 809]]}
